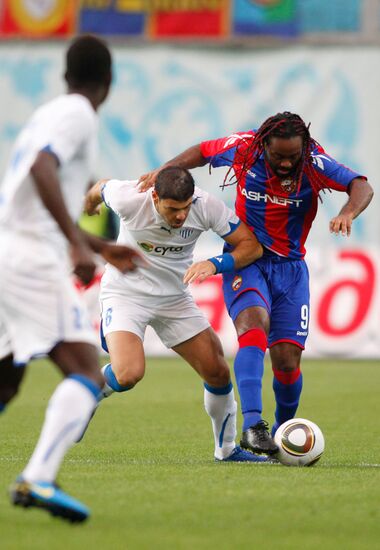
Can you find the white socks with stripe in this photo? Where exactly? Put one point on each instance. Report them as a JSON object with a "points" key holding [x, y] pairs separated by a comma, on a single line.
{"points": [[68, 412], [221, 407]]}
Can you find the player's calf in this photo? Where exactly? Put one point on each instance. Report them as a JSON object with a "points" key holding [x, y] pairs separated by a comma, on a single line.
{"points": [[11, 376]]}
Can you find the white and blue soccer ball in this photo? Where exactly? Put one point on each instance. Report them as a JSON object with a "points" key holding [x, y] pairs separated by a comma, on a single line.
{"points": [[300, 442]]}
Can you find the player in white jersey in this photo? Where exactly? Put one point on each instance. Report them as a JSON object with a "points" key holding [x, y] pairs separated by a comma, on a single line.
{"points": [[41, 312], [165, 224]]}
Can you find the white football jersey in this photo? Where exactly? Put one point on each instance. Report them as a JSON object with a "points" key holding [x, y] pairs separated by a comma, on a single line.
{"points": [[168, 251], [67, 127]]}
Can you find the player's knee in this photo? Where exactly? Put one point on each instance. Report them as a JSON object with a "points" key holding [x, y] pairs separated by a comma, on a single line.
{"points": [[286, 365]]}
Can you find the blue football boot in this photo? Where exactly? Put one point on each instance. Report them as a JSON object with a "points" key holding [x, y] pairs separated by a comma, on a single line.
{"points": [[48, 497], [239, 455]]}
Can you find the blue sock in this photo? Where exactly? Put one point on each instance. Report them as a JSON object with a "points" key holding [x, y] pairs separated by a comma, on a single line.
{"points": [[287, 398], [249, 370], [112, 382], [2, 407]]}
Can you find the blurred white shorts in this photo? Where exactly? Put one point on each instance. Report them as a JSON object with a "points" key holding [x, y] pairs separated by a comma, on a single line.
{"points": [[175, 320], [39, 306]]}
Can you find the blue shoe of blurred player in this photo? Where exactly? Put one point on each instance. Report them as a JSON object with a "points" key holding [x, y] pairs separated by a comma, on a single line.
{"points": [[239, 455], [49, 497]]}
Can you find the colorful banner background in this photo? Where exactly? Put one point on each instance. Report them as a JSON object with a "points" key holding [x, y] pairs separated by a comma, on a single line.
{"points": [[274, 17], [185, 22], [125, 17], [35, 18], [155, 20], [167, 99]]}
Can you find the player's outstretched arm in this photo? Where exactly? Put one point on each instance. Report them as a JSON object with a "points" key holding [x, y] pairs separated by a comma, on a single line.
{"points": [[124, 258], [246, 249], [45, 175], [190, 158], [360, 195]]}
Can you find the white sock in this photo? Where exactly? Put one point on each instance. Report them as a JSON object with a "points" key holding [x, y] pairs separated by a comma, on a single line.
{"points": [[106, 389], [68, 412], [222, 411]]}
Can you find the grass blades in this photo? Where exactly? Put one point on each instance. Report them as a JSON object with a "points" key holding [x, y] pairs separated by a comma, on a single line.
{"points": [[145, 468]]}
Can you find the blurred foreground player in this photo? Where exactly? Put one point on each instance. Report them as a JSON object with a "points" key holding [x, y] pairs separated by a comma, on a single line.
{"points": [[165, 223], [279, 171], [40, 310]]}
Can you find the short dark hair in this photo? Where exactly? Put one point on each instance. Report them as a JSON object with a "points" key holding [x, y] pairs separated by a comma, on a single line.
{"points": [[174, 182], [88, 62]]}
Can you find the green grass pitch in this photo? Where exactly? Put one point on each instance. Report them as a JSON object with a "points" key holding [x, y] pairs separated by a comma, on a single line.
{"points": [[145, 468]]}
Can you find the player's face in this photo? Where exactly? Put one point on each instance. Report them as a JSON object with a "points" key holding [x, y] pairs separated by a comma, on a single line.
{"points": [[173, 212], [283, 155]]}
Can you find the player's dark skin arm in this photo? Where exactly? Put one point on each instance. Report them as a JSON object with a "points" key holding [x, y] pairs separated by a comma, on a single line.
{"points": [[360, 195], [45, 175], [190, 158]]}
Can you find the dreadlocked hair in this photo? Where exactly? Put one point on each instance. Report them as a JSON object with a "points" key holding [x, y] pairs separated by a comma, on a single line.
{"points": [[284, 125]]}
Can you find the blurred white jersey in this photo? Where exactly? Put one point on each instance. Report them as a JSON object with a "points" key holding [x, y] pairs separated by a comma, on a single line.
{"points": [[66, 127], [168, 251], [39, 304]]}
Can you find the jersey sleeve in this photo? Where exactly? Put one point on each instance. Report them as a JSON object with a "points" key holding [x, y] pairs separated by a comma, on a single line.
{"points": [[218, 217], [333, 174], [221, 151], [73, 129], [118, 195]]}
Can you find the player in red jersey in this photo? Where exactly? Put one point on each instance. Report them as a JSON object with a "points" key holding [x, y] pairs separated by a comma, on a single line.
{"points": [[279, 171]]}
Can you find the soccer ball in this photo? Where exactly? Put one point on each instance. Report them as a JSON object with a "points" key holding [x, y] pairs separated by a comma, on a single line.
{"points": [[300, 442]]}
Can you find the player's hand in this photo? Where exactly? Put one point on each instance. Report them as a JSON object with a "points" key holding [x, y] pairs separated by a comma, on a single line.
{"points": [[83, 261], [146, 181], [122, 257], [92, 210], [200, 271], [341, 224]]}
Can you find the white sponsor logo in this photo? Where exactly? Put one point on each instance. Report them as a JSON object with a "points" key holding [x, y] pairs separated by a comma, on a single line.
{"points": [[161, 250], [257, 196], [233, 138], [301, 333], [251, 173], [317, 159]]}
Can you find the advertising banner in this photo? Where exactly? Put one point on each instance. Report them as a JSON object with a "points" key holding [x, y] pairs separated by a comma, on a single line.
{"points": [[123, 17], [167, 99], [268, 17], [344, 310], [34, 18], [189, 18], [328, 16]]}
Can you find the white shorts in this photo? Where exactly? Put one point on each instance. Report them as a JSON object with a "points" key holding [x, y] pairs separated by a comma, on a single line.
{"points": [[175, 320], [40, 305]]}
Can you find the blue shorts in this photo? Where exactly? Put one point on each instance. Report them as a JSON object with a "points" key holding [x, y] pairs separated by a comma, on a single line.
{"points": [[279, 285]]}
